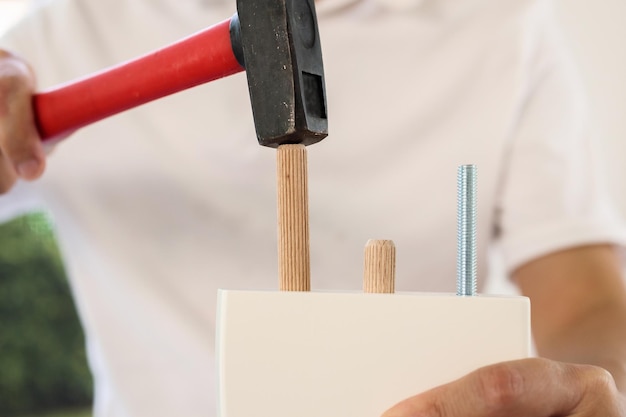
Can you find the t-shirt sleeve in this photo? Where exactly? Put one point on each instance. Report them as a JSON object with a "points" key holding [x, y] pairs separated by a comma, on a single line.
{"points": [[553, 196]]}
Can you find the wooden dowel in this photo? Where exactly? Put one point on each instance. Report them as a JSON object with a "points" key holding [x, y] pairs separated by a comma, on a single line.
{"points": [[293, 219], [380, 267]]}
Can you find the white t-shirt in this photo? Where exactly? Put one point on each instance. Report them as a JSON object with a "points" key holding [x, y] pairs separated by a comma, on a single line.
{"points": [[159, 207]]}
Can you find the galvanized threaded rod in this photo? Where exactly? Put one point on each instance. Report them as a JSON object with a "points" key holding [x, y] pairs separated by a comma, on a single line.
{"points": [[466, 230]]}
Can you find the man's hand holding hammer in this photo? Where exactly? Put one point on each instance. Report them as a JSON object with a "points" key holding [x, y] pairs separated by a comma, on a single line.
{"points": [[21, 151], [277, 43]]}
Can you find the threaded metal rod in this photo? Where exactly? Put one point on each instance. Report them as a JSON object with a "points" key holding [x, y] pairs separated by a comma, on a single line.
{"points": [[466, 230]]}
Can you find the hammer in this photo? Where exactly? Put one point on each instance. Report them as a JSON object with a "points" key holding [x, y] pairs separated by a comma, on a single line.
{"points": [[275, 41]]}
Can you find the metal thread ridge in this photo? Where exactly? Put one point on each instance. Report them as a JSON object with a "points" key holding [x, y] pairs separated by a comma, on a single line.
{"points": [[466, 230]]}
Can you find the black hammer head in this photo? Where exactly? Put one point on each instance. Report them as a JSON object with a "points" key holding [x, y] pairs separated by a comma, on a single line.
{"points": [[280, 49]]}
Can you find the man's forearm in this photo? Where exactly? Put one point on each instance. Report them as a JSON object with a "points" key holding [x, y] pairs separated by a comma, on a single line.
{"points": [[578, 300], [597, 339]]}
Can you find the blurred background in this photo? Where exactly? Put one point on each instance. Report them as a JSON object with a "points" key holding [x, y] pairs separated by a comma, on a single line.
{"points": [[43, 370]]}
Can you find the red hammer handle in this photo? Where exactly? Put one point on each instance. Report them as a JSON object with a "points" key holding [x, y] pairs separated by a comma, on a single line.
{"points": [[200, 58]]}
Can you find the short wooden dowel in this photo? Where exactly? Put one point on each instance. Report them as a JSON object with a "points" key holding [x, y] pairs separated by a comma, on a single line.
{"points": [[380, 267], [293, 219]]}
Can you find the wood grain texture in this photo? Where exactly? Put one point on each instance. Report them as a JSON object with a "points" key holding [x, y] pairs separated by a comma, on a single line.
{"points": [[293, 219], [380, 267]]}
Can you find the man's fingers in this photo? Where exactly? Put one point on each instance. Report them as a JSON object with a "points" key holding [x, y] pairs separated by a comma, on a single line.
{"points": [[19, 141], [7, 174], [520, 388], [529, 387]]}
